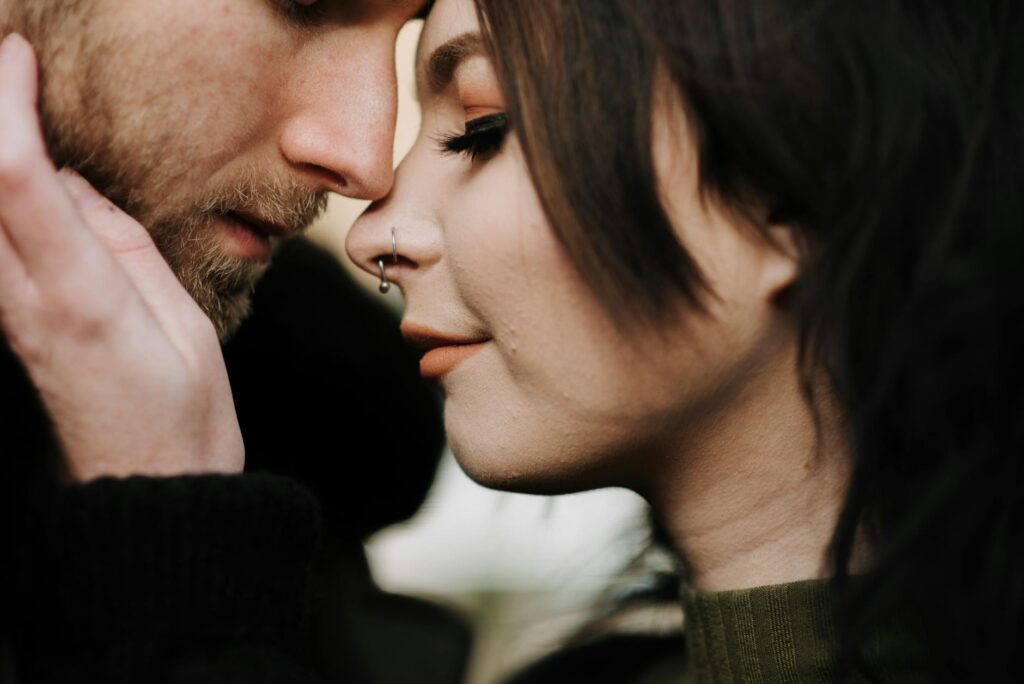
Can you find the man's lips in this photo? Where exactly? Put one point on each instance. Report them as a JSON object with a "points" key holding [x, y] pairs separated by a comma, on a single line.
{"points": [[251, 236], [442, 352], [260, 225]]}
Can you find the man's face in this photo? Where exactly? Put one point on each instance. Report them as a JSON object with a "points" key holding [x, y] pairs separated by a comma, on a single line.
{"points": [[219, 124]]}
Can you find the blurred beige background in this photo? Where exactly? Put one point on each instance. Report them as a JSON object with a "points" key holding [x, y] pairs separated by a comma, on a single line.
{"points": [[525, 569]]}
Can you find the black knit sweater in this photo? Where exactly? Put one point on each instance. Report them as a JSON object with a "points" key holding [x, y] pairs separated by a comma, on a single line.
{"points": [[145, 580], [216, 578], [150, 580]]}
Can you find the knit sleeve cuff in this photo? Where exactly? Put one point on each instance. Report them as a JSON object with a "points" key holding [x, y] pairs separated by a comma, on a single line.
{"points": [[193, 559]]}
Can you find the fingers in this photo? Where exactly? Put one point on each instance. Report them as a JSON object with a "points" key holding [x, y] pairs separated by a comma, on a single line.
{"points": [[12, 273], [118, 231], [124, 237], [48, 231], [39, 219], [133, 249]]}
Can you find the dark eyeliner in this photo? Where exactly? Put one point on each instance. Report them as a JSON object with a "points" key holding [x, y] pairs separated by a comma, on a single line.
{"points": [[482, 139]]}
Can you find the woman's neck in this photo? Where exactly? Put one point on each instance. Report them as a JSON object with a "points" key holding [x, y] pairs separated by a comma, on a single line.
{"points": [[753, 499]]}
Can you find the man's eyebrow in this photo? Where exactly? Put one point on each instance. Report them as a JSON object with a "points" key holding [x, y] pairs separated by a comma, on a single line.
{"points": [[443, 61]]}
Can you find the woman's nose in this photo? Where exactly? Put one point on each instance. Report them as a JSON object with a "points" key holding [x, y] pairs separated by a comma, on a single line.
{"points": [[399, 242], [372, 244]]}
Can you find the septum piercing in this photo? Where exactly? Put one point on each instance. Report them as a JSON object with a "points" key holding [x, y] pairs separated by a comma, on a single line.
{"points": [[385, 285]]}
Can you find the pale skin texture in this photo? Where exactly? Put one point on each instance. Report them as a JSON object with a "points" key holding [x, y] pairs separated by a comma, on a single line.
{"points": [[178, 108], [174, 103], [132, 373], [703, 416]]}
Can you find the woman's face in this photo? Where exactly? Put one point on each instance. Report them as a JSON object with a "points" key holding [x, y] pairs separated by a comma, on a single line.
{"points": [[543, 391]]}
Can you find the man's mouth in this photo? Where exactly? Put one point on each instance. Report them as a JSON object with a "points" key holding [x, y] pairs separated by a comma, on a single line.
{"points": [[260, 225], [250, 237], [442, 352]]}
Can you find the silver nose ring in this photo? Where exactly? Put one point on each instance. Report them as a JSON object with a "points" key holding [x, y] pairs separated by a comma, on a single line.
{"points": [[385, 284]]}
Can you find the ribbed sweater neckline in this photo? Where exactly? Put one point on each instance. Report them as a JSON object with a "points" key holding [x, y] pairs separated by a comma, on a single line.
{"points": [[778, 634]]}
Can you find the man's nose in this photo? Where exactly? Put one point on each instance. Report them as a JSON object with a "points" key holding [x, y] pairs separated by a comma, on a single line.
{"points": [[340, 128]]}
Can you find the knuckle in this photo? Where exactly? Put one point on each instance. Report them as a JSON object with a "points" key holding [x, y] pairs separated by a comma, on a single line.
{"points": [[87, 329], [16, 167], [83, 325], [26, 341], [28, 349]]}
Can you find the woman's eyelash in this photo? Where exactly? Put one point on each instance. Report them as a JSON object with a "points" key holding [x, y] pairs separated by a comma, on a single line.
{"points": [[482, 139]]}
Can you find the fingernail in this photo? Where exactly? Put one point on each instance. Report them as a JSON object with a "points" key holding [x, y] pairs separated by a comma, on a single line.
{"points": [[80, 189], [9, 45]]}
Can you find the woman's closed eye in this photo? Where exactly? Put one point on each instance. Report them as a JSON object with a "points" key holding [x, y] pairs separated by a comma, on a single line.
{"points": [[481, 140]]}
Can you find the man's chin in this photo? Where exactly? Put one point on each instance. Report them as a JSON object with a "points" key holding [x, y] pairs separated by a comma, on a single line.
{"points": [[228, 314], [224, 291], [231, 317]]}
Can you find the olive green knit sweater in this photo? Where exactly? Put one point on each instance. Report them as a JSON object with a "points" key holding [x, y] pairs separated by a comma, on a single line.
{"points": [[779, 634], [782, 634]]}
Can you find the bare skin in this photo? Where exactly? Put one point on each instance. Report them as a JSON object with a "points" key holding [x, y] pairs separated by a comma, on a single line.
{"points": [[189, 114], [133, 381], [755, 503], [220, 126], [703, 416]]}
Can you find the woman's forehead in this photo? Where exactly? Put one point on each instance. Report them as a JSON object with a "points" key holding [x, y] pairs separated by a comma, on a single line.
{"points": [[451, 33], [447, 19]]}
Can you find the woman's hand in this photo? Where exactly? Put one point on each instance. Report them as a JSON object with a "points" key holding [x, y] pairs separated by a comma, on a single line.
{"points": [[127, 365]]}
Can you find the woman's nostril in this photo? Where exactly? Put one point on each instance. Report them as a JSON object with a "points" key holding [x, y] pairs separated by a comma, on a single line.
{"points": [[390, 263]]}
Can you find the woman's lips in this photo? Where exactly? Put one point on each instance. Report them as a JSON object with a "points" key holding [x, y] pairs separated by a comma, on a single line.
{"points": [[440, 361], [442, 352]]}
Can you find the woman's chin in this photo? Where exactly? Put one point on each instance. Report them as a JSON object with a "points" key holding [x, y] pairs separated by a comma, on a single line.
{"points": [[521, 467], [512, 445], [510, 475]]}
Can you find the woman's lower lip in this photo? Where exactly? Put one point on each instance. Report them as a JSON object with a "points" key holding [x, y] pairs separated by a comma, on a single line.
{"points": [[440, 361], [243, 241]]}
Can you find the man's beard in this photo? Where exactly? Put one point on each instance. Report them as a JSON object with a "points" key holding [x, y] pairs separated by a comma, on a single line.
{"points": [[134, 155], [187, 237], [220, 283]]}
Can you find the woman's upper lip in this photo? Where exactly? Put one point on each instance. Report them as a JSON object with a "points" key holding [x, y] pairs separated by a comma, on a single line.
{"points": [[425, 339]]}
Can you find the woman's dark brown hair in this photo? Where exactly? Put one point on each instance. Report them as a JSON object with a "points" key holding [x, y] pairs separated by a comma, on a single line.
{"points": [[890, 135]]}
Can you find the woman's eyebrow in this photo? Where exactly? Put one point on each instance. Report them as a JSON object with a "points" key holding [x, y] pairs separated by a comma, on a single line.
{"points": [[443, 61]]}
